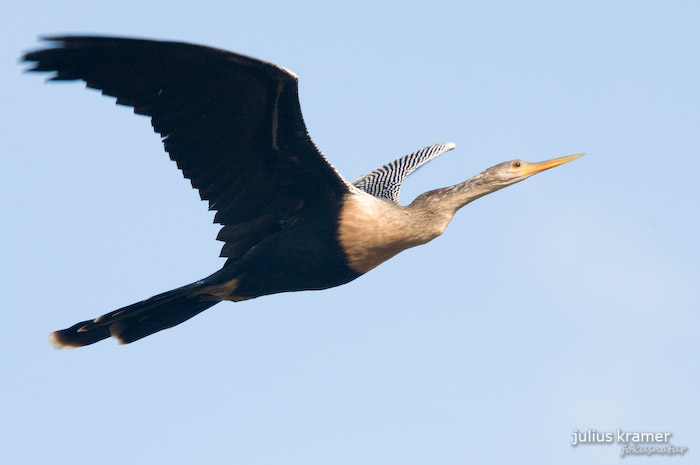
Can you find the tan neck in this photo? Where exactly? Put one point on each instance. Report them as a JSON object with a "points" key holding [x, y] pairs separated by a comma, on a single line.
{"points": [[372, 230], [448, 200]]}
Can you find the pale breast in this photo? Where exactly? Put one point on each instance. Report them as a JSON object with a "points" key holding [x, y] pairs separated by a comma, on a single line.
{"points": [[372, 230]]}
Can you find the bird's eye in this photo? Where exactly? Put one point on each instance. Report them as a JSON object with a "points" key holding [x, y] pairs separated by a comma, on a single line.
{"points": [[515, 164]]}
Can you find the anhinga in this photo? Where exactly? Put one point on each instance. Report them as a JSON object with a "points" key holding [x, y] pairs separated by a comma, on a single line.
{"points": [[290, 221]]}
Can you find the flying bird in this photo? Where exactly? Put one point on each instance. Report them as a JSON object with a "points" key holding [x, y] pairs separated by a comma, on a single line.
{"points": [[234, 127]]}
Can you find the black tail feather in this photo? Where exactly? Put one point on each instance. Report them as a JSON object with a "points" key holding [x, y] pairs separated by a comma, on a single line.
{"points": [[72, 337], [138, 320]]}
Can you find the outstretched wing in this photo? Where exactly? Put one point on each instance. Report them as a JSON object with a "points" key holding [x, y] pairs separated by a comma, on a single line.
{"points": [[385, 182], [232, 124]]}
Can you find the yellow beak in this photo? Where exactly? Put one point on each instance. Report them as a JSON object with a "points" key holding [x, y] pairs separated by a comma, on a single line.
{"points": [[532, 168]]}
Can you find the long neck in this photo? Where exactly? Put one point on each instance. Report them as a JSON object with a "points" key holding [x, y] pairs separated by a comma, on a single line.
{"points": [[447, 200]]}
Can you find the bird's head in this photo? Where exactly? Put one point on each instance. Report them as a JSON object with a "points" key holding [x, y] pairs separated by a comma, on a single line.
{"points": [[497, 177], [510, 172]]}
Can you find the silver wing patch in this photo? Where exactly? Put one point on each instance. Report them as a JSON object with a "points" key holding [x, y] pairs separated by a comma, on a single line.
{"points": [[385, 182]]}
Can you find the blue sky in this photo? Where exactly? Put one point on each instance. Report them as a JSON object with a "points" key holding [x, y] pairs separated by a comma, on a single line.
{"points": [[566, 302]]}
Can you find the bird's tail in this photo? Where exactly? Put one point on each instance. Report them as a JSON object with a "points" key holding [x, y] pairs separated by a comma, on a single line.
{"points": [[138, 320]]}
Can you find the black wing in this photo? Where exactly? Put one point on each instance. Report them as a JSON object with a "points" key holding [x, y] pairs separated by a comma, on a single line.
{"points": [[232, 124]]}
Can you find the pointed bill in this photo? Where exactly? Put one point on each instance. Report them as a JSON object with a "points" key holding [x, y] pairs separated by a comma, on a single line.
{"points": [[532, 168]]}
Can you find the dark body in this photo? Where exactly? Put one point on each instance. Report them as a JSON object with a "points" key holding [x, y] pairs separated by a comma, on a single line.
{"points": [[305, 254]]}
